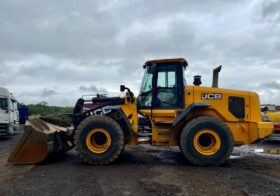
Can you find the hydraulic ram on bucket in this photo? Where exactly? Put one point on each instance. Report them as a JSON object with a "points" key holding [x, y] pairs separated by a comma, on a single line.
{"points": [[39, 140]]}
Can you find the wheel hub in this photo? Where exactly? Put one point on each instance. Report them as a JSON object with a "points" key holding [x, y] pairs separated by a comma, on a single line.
{"points": [[207, 142], [98, 140]]}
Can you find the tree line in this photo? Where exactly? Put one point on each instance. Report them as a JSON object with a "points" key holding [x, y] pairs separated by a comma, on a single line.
{"points": [[49, 113], [43, 108]]}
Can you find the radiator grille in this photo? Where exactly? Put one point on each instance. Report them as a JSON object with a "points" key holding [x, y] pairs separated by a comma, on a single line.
{"points": [[237, 106]]}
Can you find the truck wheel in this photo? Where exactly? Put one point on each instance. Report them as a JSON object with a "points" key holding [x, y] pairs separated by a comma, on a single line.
{"points": [[99, 140], [206, 140]]}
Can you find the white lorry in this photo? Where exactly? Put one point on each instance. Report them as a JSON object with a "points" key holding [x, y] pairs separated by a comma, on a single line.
{"points": [[9, 122]]}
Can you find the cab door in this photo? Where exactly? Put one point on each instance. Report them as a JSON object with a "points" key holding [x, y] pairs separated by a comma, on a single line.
{"points": [[168, 96], [162, 92], [162, 99], [168, 88]]}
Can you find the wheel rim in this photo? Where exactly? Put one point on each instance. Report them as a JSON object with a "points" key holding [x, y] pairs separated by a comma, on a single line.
{"points": [[207, 142], [98, 140]]}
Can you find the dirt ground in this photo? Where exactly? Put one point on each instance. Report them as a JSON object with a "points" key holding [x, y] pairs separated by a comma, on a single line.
{"points": [[145, 170]]}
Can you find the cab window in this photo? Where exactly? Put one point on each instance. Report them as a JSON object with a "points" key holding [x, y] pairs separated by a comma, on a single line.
{"points": [[167, 88]]}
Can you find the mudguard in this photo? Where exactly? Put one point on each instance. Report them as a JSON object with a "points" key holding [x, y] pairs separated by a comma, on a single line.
{"points": [[189, 109]]}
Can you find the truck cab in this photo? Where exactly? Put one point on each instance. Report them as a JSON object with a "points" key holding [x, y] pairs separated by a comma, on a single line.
{"points": [[7, 115]]}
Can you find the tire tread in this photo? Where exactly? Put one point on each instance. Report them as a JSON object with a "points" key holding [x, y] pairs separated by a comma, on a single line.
{"points": [[196, 121], [80, 150]]}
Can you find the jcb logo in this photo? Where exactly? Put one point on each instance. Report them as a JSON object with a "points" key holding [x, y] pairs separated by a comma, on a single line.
{"points": [[211, 96]]}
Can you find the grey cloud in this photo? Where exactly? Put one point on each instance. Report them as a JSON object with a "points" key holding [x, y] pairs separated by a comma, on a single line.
{"points": [[57, 28], [48, 92], [88, 89], [90, 29], [271, 85], [271, 10], [93, 89]]}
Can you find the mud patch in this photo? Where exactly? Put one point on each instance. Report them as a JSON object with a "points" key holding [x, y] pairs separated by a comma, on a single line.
{"points": [[155, 188]]}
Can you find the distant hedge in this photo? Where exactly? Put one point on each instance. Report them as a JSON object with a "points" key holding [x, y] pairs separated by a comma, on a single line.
{"points": [[58, 119], [54, 114], [43, 108]]}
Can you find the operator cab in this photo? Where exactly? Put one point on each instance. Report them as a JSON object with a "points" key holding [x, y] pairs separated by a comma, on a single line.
{"points": [[163, 84]]}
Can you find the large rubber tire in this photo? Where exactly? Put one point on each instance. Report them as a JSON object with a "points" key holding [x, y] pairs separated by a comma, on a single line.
{"points": [[114, 130], [187, 141]]}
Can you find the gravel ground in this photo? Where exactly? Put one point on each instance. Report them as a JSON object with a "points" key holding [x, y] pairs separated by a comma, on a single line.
{"points": [[145, 170]]}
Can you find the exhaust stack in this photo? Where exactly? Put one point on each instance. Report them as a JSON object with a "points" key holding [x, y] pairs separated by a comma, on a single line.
{"points": [[216, 72]]}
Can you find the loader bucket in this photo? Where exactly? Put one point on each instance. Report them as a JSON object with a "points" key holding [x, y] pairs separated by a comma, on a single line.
{"points": [[38, 141]]}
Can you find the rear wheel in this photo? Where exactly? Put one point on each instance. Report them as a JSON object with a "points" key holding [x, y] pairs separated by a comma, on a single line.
{"points": [[99, 140], [206, 141]]}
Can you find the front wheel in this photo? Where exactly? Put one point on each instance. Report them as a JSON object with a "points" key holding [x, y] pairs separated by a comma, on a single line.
{"points": [[206, 141], [99, 140]]}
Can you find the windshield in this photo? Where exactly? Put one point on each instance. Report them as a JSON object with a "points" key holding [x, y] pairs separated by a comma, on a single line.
{"points": [[146, 83], [3, 103], [145, 95]]}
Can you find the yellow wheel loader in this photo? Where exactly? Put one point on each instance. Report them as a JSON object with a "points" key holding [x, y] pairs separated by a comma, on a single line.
{"points": [[271, 112], [205, 122]]}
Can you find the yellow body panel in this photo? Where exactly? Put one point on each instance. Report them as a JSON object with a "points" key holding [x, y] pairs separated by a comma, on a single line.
{"points": [[245, 131], [265, 129], [130, 109], [221, 106], [274, 116]]}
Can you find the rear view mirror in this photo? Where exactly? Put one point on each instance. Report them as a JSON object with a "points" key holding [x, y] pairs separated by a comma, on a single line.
{"points": [[122, 88]]}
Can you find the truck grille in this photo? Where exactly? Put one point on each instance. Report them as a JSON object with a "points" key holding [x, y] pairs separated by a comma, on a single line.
{"points": [[3, 127]]}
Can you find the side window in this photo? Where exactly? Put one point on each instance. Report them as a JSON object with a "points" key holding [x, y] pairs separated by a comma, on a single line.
{"points": [[161, 82], [166, 79], [167, 91], [171, 79]]}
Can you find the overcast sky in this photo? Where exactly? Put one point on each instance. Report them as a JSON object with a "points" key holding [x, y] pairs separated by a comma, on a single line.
{"points": [[56, 51]]}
